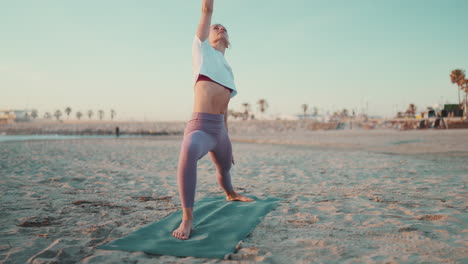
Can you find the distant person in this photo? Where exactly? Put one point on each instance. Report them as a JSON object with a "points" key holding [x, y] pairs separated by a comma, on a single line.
{"points": [[117, 131], [437, 122], [207, 130], [422, 124]]}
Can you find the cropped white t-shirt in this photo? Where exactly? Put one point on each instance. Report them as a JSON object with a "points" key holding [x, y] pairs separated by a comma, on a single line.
{"points": [[210, 62]]}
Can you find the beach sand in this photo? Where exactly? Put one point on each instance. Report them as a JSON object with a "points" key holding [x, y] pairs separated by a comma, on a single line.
{"points": [[347, 196]]}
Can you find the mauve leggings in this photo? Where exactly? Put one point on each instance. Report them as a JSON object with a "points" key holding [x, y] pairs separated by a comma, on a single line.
{"points": [[204, 133]]}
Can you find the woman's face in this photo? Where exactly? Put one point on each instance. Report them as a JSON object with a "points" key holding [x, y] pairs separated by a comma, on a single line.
{"points": [[218, 33]]}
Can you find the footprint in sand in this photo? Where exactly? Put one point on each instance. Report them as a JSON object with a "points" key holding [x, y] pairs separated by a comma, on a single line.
{"points": [[407, 229], [432, 217]]}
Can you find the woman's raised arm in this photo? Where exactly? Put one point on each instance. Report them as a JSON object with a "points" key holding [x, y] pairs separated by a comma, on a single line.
{"points": [[203, 30]]}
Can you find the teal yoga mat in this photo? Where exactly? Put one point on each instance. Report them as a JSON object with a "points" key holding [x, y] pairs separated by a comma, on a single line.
{"points": [[219, 225]]}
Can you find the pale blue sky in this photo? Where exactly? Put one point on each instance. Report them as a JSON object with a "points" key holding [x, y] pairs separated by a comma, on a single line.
{"points": [[135, 56]]}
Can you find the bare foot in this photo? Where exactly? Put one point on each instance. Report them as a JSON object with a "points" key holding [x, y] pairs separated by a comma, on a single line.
{"points": [[233, 196], [183, 232]]}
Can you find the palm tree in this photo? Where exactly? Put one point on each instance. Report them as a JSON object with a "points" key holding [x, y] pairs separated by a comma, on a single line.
{"points": [[101, 114], [34, 114], [411, 110], [47, 115], [68, 111], [457, 76], [304, 109], [246, 110], [90, 114], [79, 115], [315, 111], [262, 105], [345, 112], [58, 114], [113, 113]]}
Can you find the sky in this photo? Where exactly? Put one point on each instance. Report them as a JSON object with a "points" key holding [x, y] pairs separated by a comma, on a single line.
{"points": [[375, 56]]}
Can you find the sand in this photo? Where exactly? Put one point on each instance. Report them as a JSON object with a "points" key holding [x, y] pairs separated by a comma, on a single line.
{"points": [[448, 142], [347, 196], [90, 127]]}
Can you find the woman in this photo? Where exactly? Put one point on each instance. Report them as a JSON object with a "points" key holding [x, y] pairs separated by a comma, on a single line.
{"points": [[207, 130]]}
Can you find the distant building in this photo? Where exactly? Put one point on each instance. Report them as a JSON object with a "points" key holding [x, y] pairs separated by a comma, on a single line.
{"points": [[6, 117], [452, 110], [11, 116], [307, 117], [22, 115]]}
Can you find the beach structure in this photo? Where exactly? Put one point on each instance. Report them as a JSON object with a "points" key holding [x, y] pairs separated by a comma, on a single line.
{"points": [[8, 116], [453, 110], [308, 117]]}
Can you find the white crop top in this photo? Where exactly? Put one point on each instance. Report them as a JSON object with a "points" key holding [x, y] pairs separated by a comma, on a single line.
{"points": [[210, 62]]}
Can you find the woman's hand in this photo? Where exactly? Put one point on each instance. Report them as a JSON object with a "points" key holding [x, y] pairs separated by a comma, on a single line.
{"points": [[233, 162]]}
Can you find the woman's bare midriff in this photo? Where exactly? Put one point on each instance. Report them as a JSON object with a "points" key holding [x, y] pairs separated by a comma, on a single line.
{"points": [[211, 98]]}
